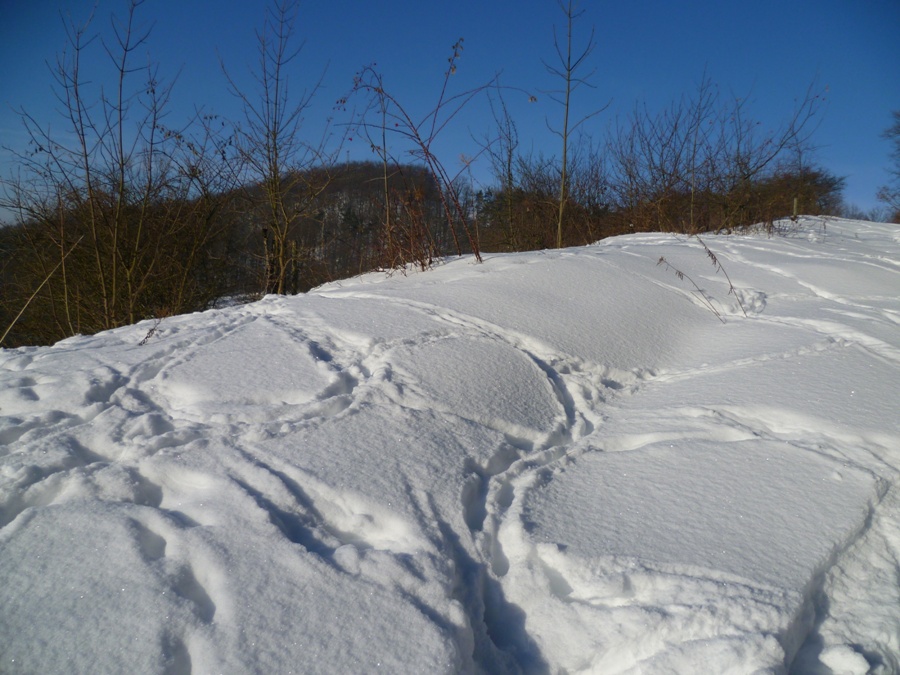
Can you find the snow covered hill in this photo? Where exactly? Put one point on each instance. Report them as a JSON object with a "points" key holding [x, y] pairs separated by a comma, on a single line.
{"points": [[568, 461]]}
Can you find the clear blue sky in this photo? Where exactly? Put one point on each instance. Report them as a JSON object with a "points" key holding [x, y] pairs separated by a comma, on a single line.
{"points": [[649, 51]]}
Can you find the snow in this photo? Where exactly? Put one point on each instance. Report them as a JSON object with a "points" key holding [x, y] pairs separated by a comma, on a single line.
{"points": [[551, 462]]}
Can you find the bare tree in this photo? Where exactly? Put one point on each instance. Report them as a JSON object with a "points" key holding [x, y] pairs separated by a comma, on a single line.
{"points": [[502, 151], [890, 193], [568, 70], [276, 158]]}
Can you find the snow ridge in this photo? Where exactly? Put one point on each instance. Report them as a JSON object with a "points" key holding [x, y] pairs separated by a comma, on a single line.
{"points": [[550, 462]]}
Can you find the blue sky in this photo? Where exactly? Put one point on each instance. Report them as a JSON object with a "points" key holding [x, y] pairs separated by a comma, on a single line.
{"points": [[648, 51]]}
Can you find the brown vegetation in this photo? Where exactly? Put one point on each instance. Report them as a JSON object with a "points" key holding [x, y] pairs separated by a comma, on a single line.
{"points": [[130, 219]]}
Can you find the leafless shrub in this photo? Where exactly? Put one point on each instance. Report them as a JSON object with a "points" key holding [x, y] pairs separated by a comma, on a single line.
{"points": [[702, 164]]}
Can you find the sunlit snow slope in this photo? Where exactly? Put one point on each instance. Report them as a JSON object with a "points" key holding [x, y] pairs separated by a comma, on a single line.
{"points": [[568, 461]]}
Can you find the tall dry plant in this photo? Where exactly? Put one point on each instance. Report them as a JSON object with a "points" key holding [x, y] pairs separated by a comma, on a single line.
{"points": [[385, 117], [701, 294]]}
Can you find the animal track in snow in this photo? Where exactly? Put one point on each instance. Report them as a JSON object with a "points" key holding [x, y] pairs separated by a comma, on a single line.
{"points": [[152, 529]]}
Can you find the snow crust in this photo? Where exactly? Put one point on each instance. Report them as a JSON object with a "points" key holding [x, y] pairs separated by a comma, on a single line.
{"points": [[551, 462]]}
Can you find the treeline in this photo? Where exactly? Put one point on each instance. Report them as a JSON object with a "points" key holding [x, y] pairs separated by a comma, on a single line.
{"points": [[700, 165], [520, 215], [131, 219], [97, 263]]}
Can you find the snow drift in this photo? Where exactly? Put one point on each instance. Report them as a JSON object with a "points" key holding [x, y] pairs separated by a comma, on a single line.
{"points": [[549, 462]]}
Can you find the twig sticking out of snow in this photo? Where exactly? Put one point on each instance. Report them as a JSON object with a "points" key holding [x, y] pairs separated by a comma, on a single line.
{"points": [[719, 268], [699, 292]]}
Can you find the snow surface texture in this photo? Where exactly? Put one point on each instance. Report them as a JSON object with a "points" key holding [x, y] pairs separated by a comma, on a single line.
{"points": [[552, 462]]}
